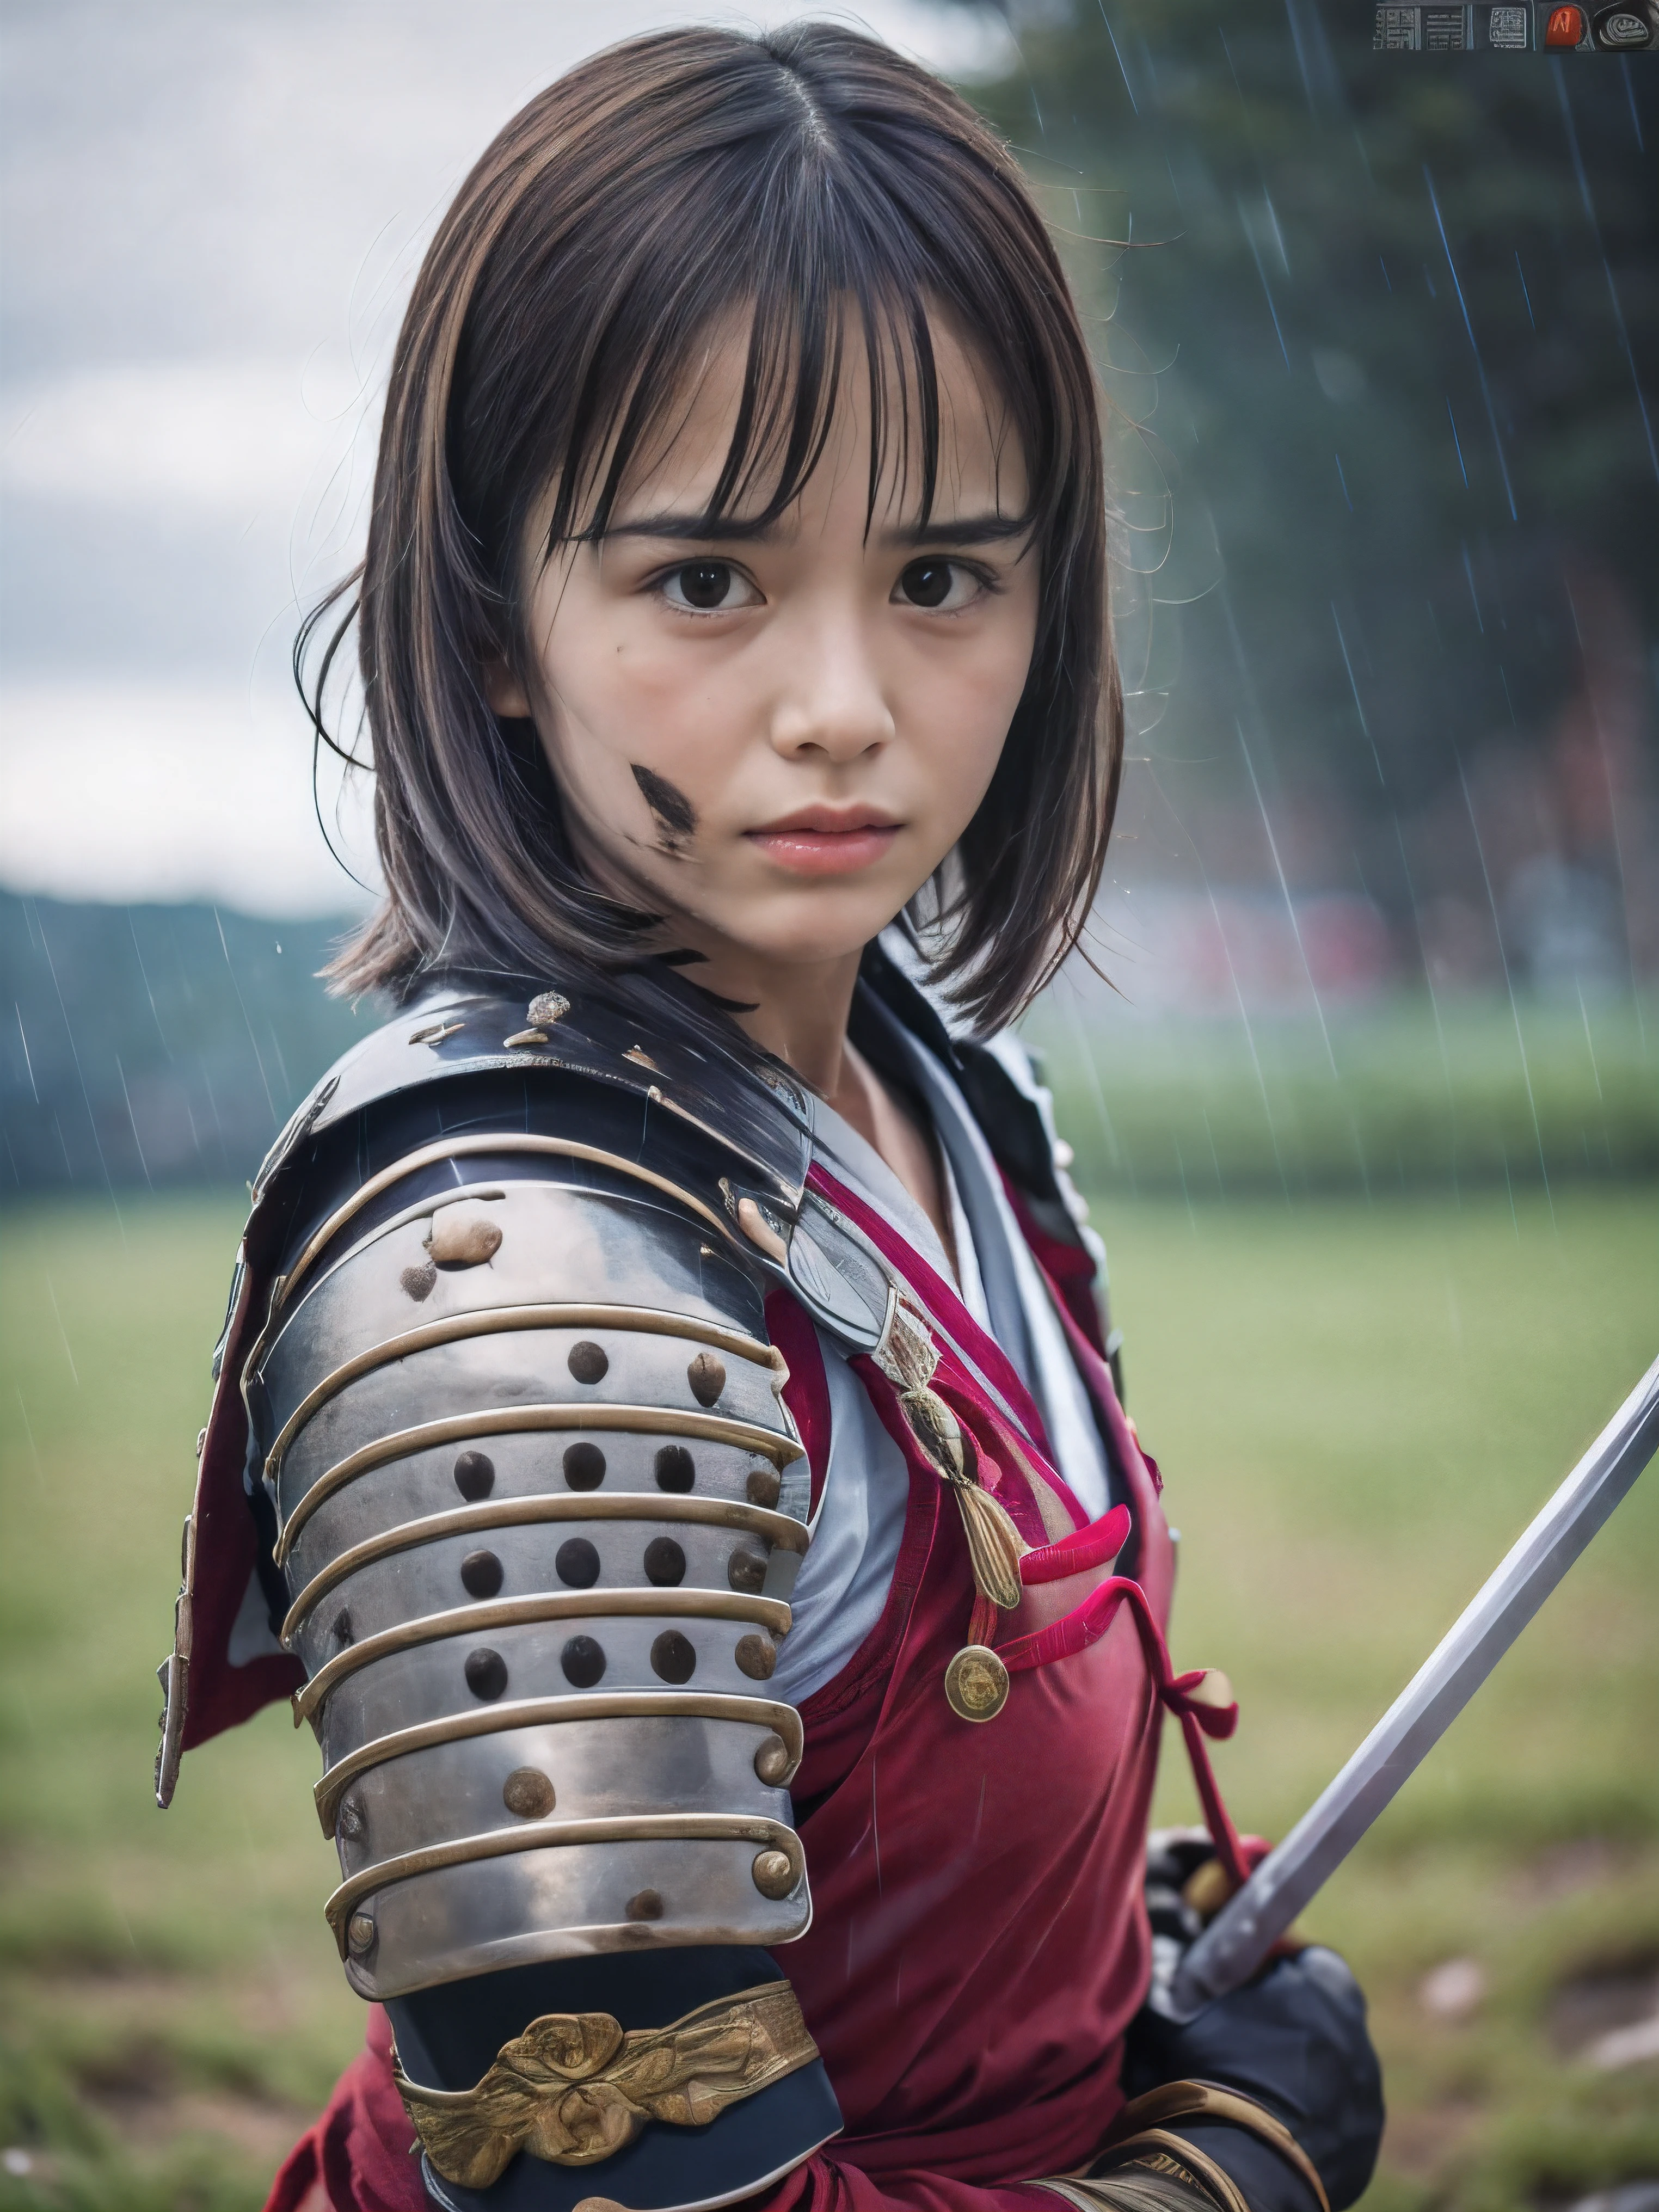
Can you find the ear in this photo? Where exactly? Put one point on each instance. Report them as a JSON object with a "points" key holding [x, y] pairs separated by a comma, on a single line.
{"points": [[506, 695]]}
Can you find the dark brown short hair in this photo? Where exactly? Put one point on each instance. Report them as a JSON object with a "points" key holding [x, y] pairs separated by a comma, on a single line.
{"points": [[827, 188]]}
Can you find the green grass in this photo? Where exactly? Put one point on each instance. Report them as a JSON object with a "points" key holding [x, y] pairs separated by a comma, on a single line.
{"points": [[1379, 1098], [1356, 1408]]}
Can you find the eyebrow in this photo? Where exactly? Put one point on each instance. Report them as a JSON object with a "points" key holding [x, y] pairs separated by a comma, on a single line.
{"points": [[730, 529]]}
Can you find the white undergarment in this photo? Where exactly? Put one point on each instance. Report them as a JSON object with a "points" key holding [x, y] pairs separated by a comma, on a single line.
{"points": [[844, 1580]]}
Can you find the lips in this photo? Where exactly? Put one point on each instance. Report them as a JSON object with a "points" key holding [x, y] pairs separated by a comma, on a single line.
{"points": [[827, 840]]}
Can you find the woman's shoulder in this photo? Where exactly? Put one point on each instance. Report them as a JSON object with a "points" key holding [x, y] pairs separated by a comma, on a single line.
{"points": [[469, 1058]]}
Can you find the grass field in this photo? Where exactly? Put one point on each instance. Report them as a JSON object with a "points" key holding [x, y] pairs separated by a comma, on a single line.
{"points": [[1356, 1409]]}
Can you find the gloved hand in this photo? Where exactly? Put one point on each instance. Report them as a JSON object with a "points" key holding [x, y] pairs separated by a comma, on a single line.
{"points": [[1295, 2039]]}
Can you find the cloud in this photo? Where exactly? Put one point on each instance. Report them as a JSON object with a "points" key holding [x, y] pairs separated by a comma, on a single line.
{"points": [[129, 791], [204, 436]]}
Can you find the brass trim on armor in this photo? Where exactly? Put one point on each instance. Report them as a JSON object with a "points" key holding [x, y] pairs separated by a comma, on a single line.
{"points": [[1185, 2100], [546, 1605], [447, 1148], [778, 1528], [509, 1420], [576, 2088], [503, 1320], [542, 1712], [1158, 2144], [548, 1835]]}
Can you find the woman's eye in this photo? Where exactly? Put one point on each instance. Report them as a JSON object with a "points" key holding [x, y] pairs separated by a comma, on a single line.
{"points": [[934, 583], [709, 587]]}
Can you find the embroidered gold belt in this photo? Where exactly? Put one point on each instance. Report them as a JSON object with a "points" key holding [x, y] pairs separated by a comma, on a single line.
{"points": [[576, 2087]]}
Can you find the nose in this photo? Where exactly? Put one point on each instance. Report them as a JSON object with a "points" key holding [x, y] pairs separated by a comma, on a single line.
{"points": [[831, 701]]}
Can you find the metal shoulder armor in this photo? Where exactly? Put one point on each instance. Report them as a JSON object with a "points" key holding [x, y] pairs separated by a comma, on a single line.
{"points": [[537, 1507]]}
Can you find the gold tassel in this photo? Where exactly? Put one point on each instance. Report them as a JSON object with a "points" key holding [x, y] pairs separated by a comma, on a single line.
{"points": [[908, 1357], [994, 1545]]}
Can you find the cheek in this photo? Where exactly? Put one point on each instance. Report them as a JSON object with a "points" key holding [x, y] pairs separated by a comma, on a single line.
{"points": [[964, 704], [617, 698]]}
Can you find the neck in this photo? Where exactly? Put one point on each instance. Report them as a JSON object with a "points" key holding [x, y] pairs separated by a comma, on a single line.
{"points": [[799, 1010]]}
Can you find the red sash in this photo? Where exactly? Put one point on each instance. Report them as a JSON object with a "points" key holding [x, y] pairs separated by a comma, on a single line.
{"points": [[979, 1943]]}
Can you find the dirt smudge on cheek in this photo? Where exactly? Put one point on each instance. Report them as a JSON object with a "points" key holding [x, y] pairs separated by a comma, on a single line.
{"points": [[675, 815]]}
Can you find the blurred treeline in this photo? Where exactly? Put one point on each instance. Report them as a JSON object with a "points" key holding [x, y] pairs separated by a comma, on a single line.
{"points": [[166, 1046], [156, 1044], [1381, 333]]}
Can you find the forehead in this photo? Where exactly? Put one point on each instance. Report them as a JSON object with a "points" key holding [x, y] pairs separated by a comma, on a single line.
{"points": [[903, 433]]}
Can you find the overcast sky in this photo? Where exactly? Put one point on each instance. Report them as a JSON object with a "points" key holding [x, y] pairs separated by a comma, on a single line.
{"points": [[213, 213]]}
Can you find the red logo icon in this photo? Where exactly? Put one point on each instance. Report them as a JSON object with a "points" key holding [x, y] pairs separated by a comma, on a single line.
{"points": [[1565, 27]]}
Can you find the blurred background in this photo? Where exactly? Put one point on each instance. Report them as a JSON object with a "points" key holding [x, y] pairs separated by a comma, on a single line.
{"points": [[1363, 1084]]}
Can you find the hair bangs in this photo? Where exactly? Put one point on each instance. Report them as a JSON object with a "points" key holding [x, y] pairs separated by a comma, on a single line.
{"points": [[808, 305]]}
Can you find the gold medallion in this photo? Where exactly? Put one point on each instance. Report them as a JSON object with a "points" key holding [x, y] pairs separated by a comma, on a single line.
{"points": [[976, 1683]]}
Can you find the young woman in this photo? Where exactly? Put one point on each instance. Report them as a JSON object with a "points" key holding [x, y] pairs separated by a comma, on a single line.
{"points": [[665, 1442]]}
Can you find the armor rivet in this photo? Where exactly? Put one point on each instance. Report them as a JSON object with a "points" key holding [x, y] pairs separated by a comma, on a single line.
{"points": [[583, 1662], [588, 1361], [481, 1574], [547, 1008], [351, 1823], [486, 1673], [342, 1630], [578, 1563], [772, 1763], [418, 1280], [756, 1656], [707, 1376], [475, 1475], [527, 1792], [765, 1485], [647, 1904], [774, 1876], [745, 1571], [673, 1656], [360, 1935], [675, 1467], [665, 1563], [976, 1684], [584, 1466], [460, 1239]]}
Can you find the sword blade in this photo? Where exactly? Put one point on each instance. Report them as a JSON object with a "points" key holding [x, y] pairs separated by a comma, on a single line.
{"points": [[1242, 1933]]}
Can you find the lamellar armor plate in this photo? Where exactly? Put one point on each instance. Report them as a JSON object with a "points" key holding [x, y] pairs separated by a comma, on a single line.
{"points": [[538, 1504], [532, 1507]]}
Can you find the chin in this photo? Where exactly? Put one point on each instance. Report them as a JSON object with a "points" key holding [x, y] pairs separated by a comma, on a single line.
{"points": [[807, 934]]}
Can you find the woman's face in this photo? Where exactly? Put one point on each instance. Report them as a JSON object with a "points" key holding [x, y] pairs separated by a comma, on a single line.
{"points": [[774, 737]]}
